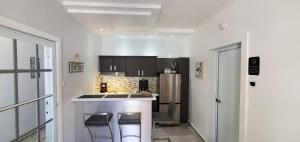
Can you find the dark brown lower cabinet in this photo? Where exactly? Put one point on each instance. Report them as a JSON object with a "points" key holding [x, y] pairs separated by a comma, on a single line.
{"points": [[155, 105]]}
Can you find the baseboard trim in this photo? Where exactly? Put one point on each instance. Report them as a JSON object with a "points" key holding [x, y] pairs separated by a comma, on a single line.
{"points": [[197, 131]]}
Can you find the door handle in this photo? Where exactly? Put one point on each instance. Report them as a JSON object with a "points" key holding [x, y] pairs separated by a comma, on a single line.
{"points": [[110, 68], [115, 68], [218, 101], [139, 72]]}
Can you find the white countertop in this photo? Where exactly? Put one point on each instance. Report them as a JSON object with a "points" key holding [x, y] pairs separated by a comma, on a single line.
{"points": [[76, 99]]}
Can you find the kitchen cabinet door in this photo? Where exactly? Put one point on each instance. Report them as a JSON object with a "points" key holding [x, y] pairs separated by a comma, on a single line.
{"points": [[148, 66], [133, 66], [106, 64], [119, 64], [163, 63]]}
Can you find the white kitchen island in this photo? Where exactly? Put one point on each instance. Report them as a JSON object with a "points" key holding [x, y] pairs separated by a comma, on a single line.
{"points": [[114, 105]]}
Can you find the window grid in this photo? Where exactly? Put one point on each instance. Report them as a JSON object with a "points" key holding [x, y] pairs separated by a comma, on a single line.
{"points": [[16, 105]]}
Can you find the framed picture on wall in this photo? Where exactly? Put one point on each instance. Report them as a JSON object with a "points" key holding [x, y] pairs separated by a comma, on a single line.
{"points": [[199, 70], [75, 67]]}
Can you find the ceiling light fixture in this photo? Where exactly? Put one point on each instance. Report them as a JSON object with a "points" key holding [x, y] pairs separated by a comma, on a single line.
{"points": [[113, 5], [138, 13], [101, 29]]}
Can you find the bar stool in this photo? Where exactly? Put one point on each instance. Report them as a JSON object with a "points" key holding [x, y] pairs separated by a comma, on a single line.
{"points": [[129, 119], [164, 117], [98, 120]]}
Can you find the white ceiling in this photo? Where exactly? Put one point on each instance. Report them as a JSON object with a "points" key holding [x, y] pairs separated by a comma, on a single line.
{"points": [[167, 17]]}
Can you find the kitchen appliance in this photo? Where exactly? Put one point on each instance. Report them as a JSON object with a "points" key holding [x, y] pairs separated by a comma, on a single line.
{"points": [[143, 85], [170, 93], [103, 87]]}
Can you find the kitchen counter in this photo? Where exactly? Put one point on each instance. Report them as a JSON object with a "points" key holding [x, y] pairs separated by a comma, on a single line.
{"points": [[106, 97], [114, 103]]}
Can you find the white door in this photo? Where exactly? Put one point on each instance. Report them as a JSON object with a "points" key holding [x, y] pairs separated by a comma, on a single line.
{"points": [[229, 64]]}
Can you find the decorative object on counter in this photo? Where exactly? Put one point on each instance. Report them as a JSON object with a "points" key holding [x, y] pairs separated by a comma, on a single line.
{"points": [[124, 84], [174, 67], [103, 87], [76, 66], [167, 70], [145, 93], [143, 85], [199, 70]]}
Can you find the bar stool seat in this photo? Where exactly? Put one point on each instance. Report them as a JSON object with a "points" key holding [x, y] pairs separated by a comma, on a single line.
{"points": [[99, 120], [129, 119]]}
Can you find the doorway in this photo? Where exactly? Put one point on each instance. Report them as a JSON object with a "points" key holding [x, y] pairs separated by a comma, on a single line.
{"points": [[228, 93], [27, 92]]}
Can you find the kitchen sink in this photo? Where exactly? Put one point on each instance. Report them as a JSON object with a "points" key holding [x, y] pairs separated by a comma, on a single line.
{"points": [[117, 96], [90, 96], [141, 96]]}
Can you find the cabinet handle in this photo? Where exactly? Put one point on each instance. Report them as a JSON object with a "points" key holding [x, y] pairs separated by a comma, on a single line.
{"points": [[110, 68], [139, 73], [115, 68], [142, 72]]}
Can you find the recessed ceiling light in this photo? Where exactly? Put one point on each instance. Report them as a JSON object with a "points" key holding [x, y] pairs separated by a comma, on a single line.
{"points": [[113, 5], [112, 12], [101, 29]]}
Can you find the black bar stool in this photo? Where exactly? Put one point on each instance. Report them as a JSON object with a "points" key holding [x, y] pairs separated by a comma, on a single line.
{"points": [[129, 119], [98, 120]]}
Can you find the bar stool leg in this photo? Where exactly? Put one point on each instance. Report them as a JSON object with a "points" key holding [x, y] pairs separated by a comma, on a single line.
{"points": [[120, 129], [141, 132], [92, 138], [111, 133]]}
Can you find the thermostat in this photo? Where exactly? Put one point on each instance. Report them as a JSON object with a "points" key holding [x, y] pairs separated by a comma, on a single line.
{"points": [[254, 65]]}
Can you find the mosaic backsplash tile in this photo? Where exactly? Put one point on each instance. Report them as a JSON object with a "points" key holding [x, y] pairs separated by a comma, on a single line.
{"points": [[124, 84]]}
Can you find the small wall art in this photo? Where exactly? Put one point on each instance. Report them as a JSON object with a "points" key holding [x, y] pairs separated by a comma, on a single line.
{"points": [[76, 67], [199, 70]]}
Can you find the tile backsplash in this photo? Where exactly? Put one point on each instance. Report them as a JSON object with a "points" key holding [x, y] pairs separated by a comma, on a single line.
{"points": [[124, 84]]}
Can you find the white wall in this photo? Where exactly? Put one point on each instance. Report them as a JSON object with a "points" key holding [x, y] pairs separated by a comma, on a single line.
{"points": [[161, 47], [273, 105], [49, 16]]}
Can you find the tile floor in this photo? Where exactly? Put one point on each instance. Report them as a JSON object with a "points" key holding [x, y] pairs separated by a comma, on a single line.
{"points": [[181, 133]]}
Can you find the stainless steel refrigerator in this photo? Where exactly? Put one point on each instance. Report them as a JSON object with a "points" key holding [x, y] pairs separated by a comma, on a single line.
{"points": [[170, 92]]}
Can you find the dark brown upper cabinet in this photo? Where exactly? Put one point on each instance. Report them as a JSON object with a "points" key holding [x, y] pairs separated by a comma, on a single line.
{"points": [[148, 66], [141, 66], [133, 66], [112, 64], [163, 63]]}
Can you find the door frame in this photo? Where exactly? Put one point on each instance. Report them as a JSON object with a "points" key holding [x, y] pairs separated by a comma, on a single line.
{"points": [[58, 129], [218, 51], [244, 45]]}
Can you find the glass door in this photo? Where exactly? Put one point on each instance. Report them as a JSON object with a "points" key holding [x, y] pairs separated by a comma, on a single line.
{"points": [[26, 88]]}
